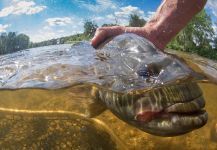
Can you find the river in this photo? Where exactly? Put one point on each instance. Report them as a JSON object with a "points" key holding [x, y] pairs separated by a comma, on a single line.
{"points": [[68, 118]]}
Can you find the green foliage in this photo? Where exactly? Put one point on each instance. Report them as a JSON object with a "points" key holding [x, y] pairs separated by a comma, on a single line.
{"points": [[63, 40], [22, 41], [196, 37], [45, 43], [90, 28], [11, 42], [136, 21], [75, 38], [109, 25], [215, 43]]}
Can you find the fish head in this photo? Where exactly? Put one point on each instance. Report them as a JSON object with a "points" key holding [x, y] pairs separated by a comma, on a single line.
{"points": [[170, 111], [169, 102]]}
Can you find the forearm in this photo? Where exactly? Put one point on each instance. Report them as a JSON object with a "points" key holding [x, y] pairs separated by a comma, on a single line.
{"points": [[170, 18]]}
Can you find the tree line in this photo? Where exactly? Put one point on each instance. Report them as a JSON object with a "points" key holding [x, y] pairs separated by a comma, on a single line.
{"points": [[12, 42], [197, 37]]}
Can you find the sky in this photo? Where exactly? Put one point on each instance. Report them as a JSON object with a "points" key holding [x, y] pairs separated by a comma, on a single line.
{"points": [[46, 19]]}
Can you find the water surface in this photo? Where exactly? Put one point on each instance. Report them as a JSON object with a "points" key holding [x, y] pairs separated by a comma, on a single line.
{"points": [[60, 118]]}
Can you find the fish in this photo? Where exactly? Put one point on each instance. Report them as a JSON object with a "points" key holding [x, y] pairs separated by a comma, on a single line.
{"points": [[149, 89]]}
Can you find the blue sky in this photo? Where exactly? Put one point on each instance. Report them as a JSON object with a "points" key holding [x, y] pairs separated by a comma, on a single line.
{"points": [[47, 19]]}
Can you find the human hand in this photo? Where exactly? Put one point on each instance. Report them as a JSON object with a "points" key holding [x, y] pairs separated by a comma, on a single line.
{"points": [[104, 33], [170, 18]]}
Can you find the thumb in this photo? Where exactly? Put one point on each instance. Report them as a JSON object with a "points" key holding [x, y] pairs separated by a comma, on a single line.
{"points": [[99, 37]]}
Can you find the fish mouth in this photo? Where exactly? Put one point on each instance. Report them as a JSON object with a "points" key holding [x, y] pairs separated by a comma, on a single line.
{"points": [[176, 119]]}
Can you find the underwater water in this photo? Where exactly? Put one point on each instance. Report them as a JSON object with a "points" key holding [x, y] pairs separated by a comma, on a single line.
{"points": [[73, 130], [47, 101]]}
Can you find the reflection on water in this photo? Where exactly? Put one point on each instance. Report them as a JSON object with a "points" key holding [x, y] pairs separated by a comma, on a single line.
{"points": [[47, 98]]}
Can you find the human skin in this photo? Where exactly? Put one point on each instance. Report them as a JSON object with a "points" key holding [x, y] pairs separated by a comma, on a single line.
{"points": [[170, 18]]}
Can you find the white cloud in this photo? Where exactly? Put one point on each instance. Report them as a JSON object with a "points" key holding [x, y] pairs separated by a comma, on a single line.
{"points": [[42, 35], [99, 6], [126, 11], [60, 31], [59, 21], [212, 5], [149, 15], [15, 1], [4, 27], [99, 18], [46, 27], [21, 7], [111, 17], [121, 16], [57, 27]]}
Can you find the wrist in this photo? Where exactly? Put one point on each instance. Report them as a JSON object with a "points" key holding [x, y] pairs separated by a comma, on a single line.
{"points": [[153, 34]]}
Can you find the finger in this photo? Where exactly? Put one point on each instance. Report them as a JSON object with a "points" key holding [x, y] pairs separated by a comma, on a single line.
{"points": [[100, 36]]}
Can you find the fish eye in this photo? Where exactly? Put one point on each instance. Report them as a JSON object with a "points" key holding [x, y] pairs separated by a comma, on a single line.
{"points": [[149, 70]]}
